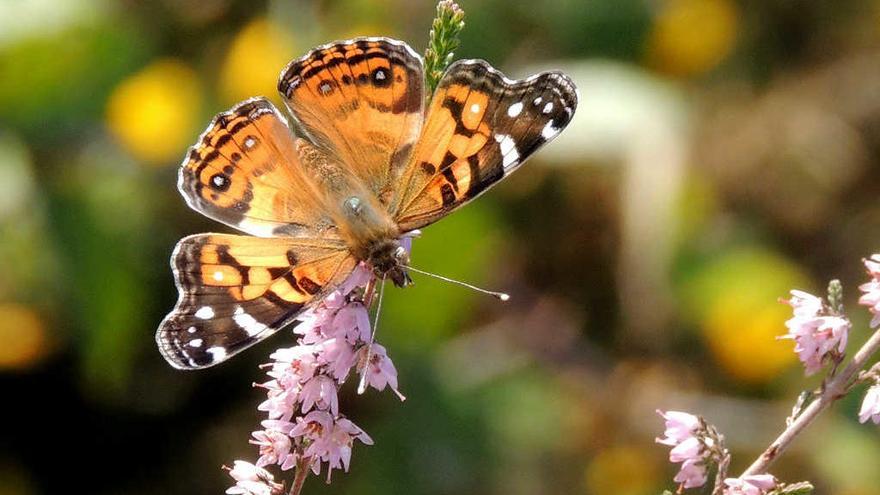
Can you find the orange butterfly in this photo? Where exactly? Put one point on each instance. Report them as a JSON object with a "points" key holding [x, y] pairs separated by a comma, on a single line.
{"points": [[369, 163]]}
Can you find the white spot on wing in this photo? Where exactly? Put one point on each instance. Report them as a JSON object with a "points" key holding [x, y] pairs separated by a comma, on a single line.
{"points": [[247, 322], [508, 150], [217, 354], [249, 143], [538, 101], [548, 107], [515, 109], [549, 132], [475, 108], [258, 229], [218, 275], [191, 329], [195, 343], [205, 312]]}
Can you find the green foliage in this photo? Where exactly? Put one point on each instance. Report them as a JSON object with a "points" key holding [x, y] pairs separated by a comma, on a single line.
{"points": [[431, 310]]}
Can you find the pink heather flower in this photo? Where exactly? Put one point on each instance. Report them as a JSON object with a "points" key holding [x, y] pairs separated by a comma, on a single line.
{"points": [[690, 448], [693, 473], [805, 304], [871, 296], [274, 448], [253, 480], [302, 401], [329, 440], [380, 370], [873, 266], [679, 427], [757, 484], [333, 445], [312, 424], [320, 392], [871, 405], [352, 323], [281, 401], [340, 356], [683, 433], [816, 334]]}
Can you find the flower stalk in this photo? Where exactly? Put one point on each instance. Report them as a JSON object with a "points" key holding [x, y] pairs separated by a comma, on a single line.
{"points": [[443, 41], [834, 389]]}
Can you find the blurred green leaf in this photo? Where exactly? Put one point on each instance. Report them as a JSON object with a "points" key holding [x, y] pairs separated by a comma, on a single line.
{"points": [[52, 85], [101, 214], [460, 247]]}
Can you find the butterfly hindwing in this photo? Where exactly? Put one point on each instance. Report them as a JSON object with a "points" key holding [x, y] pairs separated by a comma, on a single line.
{"points": [[237, 290], [362, 101], [246, 171], [480, 127]]}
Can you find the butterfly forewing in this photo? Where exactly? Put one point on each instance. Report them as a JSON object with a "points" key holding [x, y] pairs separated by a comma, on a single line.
{"points": [[480, 127], [361, 100], [237, 290], [246, 172]]}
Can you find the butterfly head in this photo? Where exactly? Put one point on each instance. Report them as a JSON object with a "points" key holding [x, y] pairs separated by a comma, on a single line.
{"points": [[389, 260]]}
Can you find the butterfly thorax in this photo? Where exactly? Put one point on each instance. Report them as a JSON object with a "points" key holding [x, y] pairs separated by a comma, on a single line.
{"points": [[361, 219], [373, 237]]}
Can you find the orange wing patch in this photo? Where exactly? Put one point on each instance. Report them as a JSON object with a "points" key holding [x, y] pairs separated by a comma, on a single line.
{"points": [[361, 100], [237, 290], [480, 127]]}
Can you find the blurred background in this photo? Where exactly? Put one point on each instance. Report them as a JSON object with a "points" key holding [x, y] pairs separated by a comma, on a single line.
{"points": [[724, 151]]}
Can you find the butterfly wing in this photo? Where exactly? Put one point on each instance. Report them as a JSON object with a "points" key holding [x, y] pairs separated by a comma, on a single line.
{"points": [[234, 291], [480, 127], [247, 172], [362, 101]]}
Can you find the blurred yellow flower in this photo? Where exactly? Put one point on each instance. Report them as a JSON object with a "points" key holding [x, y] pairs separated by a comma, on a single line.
{"points": [[623, 470], [154, 113], [742, 337], [692, 36], [735, 300], [254, 61], [22, 336]]}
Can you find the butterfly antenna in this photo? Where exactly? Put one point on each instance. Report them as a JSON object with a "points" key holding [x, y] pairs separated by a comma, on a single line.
{"points": [[498, 295], [362, 386]]}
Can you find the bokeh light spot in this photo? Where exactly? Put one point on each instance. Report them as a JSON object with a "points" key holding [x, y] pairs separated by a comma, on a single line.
{"points": [[22, 336], [743, 339], [734, 299], [690, 37], [154, 112], [254, 60], [623, 470]]}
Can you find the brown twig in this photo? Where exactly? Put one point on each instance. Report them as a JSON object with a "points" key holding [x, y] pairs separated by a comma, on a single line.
{"points": [[835, 388], [302, 472]]}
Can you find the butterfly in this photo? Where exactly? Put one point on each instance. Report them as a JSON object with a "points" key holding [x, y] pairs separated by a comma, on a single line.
{"points": [[370, 161]]}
